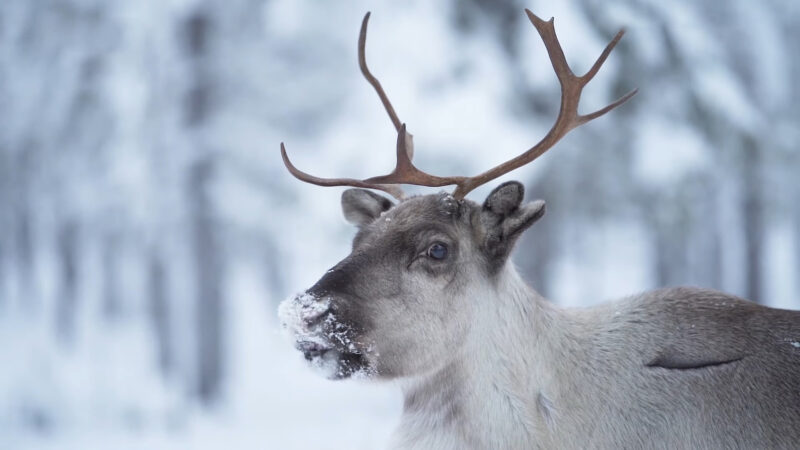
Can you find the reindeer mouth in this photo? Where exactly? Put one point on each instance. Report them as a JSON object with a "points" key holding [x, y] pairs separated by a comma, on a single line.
{"points": [[335, 363], [329, 345]]}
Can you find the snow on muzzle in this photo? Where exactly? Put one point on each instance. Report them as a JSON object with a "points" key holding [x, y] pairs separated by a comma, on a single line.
{"points": [[326, 342]]}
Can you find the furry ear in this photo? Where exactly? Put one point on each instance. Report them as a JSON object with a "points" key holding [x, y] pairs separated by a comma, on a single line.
{"points": [[504, 218], [504, 198], [361, 207]]}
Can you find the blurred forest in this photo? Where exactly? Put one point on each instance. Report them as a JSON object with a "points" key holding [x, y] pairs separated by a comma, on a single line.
{"points": [[148, 228]]}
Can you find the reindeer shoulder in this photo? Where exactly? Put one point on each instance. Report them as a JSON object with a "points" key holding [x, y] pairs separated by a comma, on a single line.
{"points": [[689, 328]]}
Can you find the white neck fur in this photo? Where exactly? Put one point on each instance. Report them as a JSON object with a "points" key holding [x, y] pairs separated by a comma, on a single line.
{"points": [[494, 391]]}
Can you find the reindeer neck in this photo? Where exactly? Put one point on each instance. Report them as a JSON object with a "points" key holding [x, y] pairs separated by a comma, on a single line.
{"points": [[494, 393]]}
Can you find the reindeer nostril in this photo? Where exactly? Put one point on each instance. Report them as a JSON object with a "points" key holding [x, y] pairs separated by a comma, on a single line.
{"points": [[316, 317]]}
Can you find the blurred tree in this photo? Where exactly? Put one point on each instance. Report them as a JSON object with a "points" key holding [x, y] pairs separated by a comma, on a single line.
{"points": [[22, 207], [68, 244], [111, 248], [160, 311], [753, 211], [198, 34]]}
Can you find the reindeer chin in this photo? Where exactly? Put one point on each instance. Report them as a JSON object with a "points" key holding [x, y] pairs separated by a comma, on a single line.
{"points": [[333, 363], [336, 365], [325, 343]]}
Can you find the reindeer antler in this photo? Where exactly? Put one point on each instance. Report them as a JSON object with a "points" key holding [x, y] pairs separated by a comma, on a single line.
{"points": [[568, 117], [406, 173]]}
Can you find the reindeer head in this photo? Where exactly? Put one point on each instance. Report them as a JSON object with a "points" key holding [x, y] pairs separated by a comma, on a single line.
{"points": [[396, 306]]}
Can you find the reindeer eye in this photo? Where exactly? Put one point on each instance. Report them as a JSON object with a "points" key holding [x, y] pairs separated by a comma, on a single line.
{"points": [[437, 251]]}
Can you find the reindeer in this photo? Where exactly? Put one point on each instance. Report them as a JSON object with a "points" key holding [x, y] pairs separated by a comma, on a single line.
{"points": [[429, 297]]}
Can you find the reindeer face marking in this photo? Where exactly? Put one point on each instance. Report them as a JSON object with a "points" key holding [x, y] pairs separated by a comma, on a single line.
{"points": [[399, 304]]}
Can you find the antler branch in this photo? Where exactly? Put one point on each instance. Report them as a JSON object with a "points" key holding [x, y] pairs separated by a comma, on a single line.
{"points": [[394, 191], [406, 173], [568, 117], [362, 63]]}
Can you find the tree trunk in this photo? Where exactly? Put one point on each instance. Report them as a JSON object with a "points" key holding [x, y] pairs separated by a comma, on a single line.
{"points": [[539, 247], [160, 311], [704, 237], [753, 215], [208, 277], [273, 271], [197, 35], [112, 304], [67, 248], [538, 256], [23, 237], [668, 222], [3, 257]]}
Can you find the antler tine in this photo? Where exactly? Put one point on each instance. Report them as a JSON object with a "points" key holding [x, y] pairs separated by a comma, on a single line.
{"points": [[372, 80], [362, 63], [568, 116], [404, 172], [394, 191]]}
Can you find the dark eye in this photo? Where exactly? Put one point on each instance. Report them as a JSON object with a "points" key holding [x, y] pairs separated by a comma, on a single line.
{"points": [[437, 251]]}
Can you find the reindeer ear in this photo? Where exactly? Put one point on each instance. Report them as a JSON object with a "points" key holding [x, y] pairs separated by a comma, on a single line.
{"points": [[361, 206], [504, 218]]}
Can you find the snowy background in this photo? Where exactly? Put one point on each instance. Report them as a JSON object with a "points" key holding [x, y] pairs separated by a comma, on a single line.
{"points": [[148, 229]]}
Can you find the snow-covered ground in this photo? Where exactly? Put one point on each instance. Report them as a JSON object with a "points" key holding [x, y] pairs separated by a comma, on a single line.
{"points": [[273, 399]]}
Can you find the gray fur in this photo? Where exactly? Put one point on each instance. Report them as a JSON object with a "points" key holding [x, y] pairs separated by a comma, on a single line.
{"points": [[361, 207], [504, 218], [485, 362]]}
